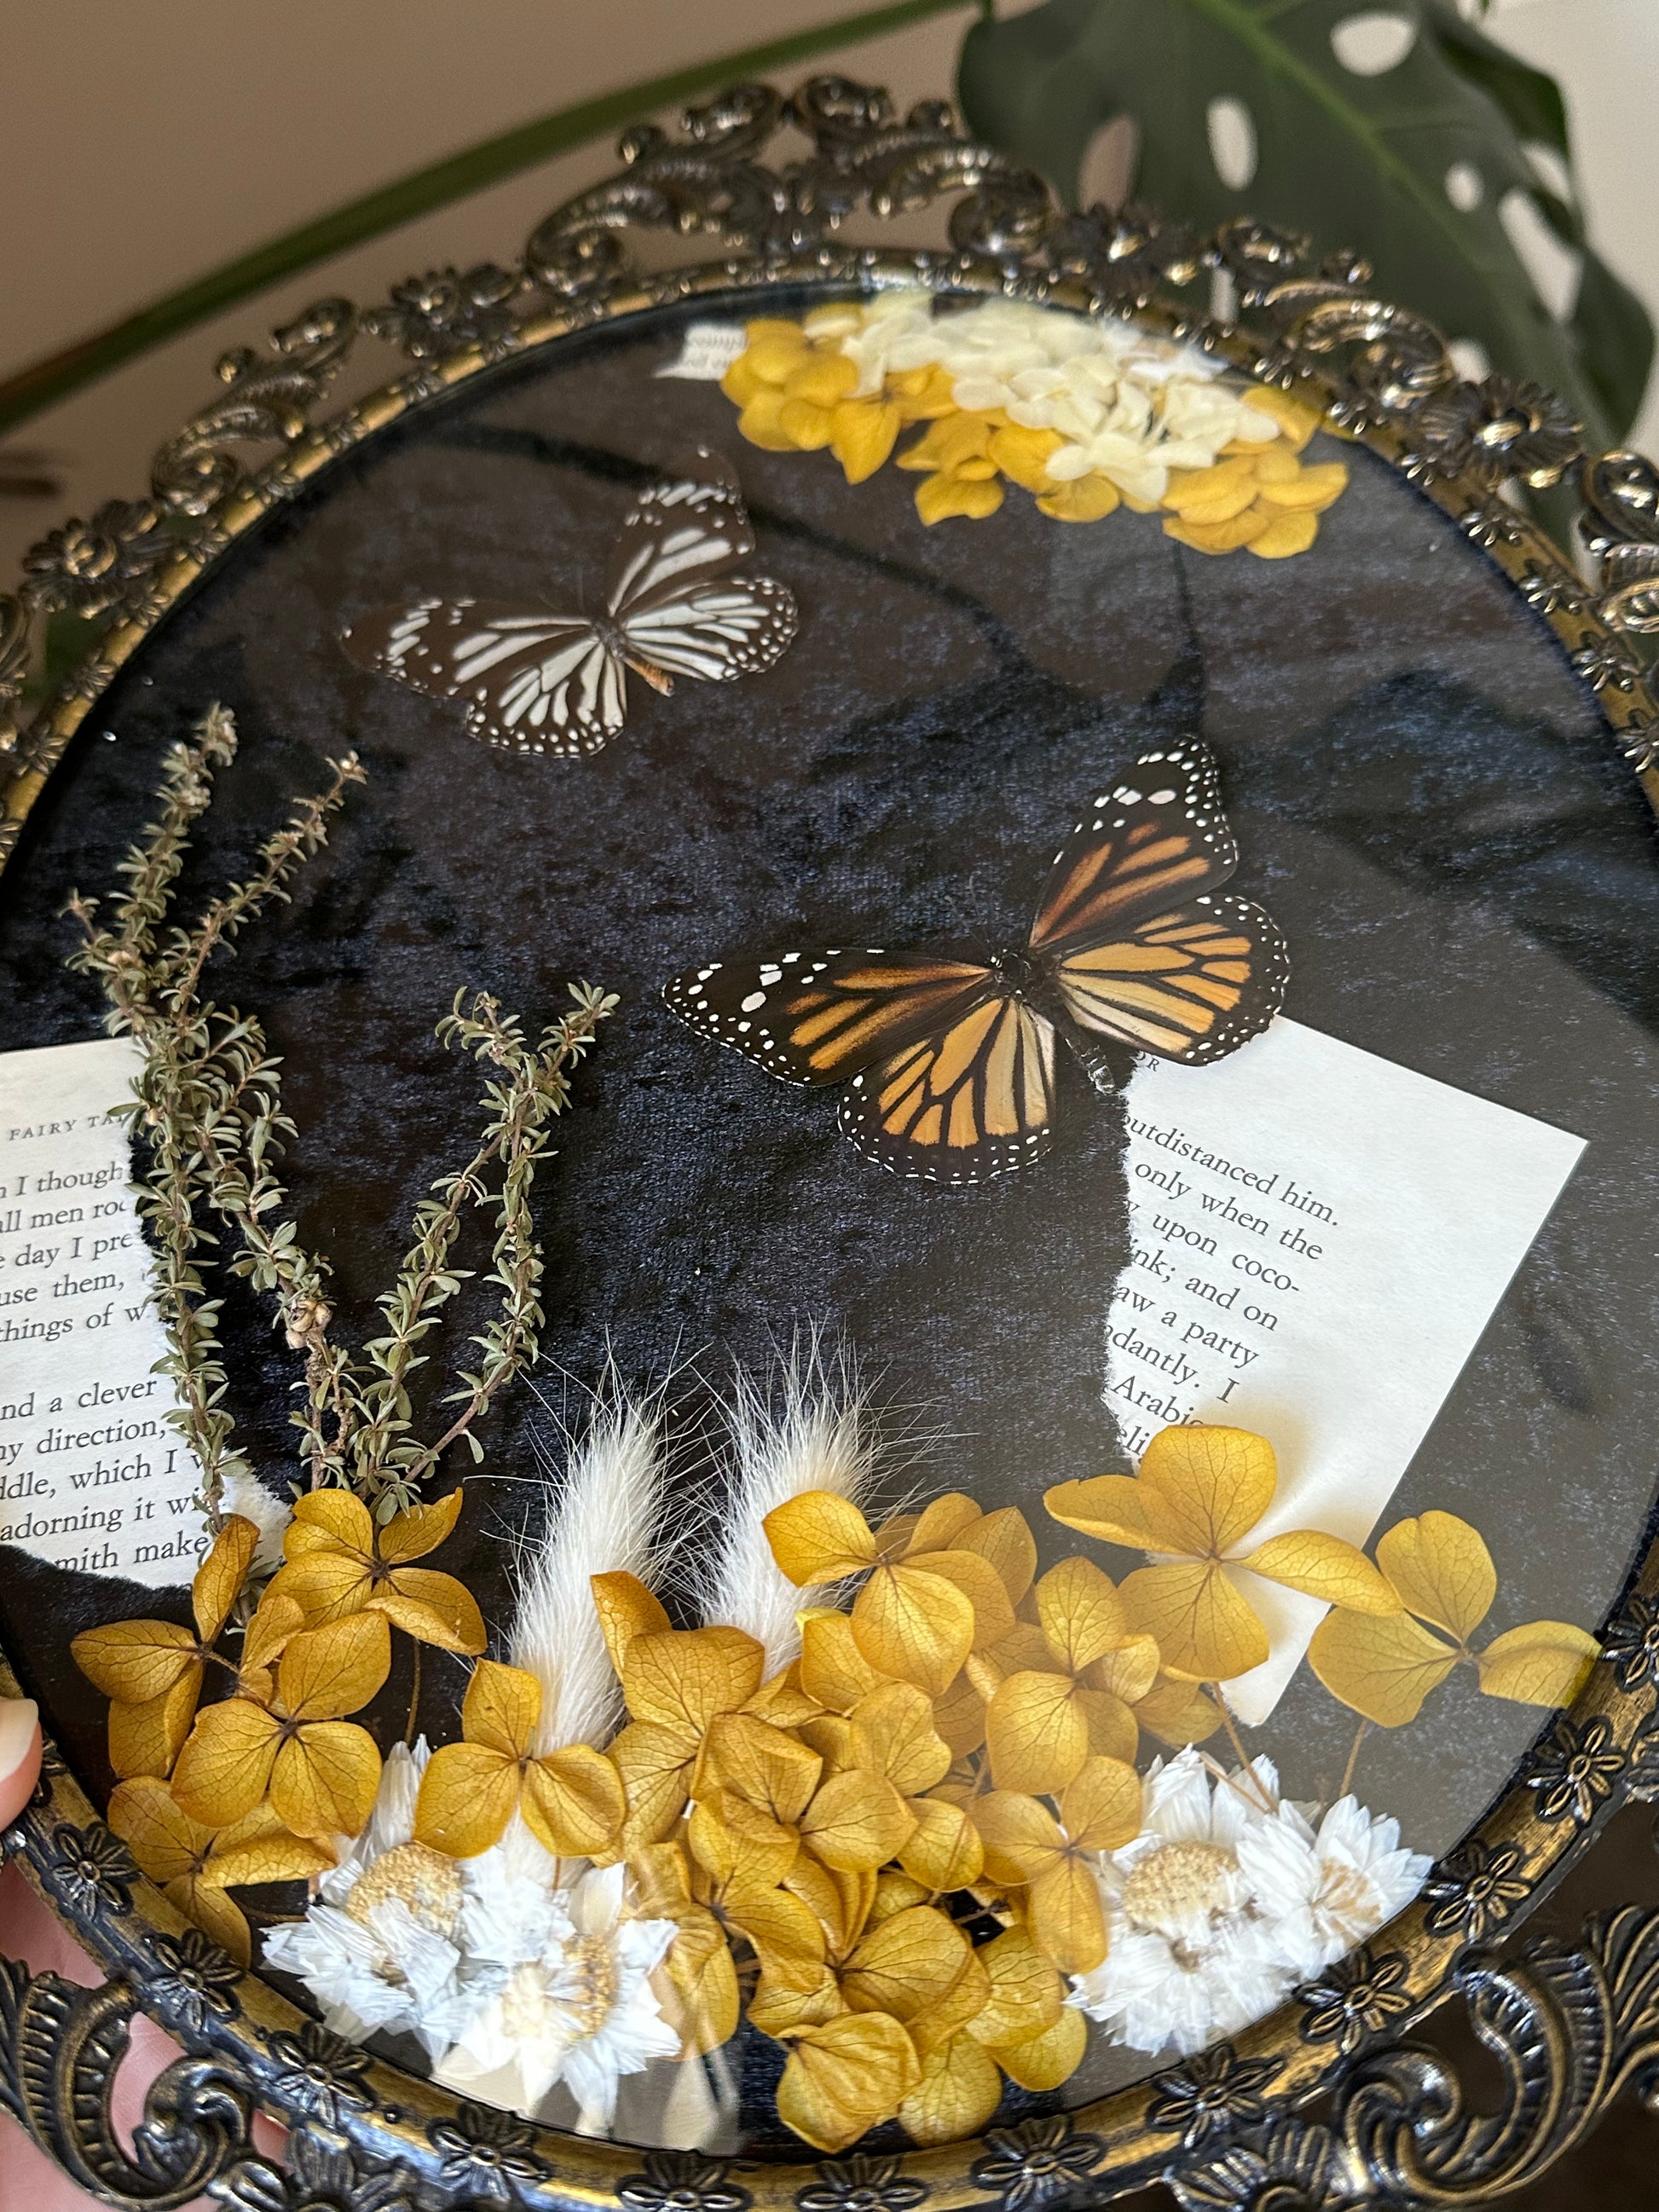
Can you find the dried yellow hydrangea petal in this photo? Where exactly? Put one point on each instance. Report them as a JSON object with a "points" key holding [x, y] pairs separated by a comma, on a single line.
{"points": [[135, 1662], [1203, 1625], [1382, 1665], [1048, 2060], [1443, 1571], [819, 1537], [862, 434], [943, 1849], [922, 395], [468, 1794], [857, 1821], [892, 1734], [1297, 417], [1085, 499], [1026, 1994], [146, 1738], [914, 1625], [762, 422], [626, 1609], [1110, 1507], [940, 497], [1315, 488], [956, 2095], [1036, 1732], [821, 379], [324, 1778], [219, 1579], [951, 442], [1325, 1567], [1101, 1808], [1285, 534], [1219, 536], [1546, 1662], [1064, 1915], [573, 1802], [845, 2077], [1023, 456]]}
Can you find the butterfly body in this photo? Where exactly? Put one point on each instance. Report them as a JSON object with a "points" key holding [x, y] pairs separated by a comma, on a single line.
{"points": [[535, 680], [947, 1057]]}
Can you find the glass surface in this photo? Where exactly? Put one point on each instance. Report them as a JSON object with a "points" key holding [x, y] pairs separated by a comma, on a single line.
{"points": [[1423, 795]]}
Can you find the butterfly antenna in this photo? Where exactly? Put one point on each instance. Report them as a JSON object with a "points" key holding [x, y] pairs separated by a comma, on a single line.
{"points": [[1181, 693]]}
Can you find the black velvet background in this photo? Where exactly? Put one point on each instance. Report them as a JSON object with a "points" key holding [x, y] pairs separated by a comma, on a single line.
{"points": [[1424, 797]]}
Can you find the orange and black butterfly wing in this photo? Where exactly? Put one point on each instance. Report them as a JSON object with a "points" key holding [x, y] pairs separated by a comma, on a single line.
{"points": [[825, 1016], [1153, 840], [1192, 984], [964, 1103]]}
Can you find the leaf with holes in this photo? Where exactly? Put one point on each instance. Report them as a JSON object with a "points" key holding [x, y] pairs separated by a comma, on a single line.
{"points": [[1265, 107]]}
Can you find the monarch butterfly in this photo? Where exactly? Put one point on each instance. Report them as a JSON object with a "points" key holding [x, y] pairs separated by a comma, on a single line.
{"points": [[538, 682], [947, 1058]]}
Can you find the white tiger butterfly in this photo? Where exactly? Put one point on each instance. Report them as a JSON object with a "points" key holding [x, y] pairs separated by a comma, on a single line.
{"points": [[536, 681]]}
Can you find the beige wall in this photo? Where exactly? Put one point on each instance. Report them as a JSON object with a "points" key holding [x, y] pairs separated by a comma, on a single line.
{"points": [[143, 144]]}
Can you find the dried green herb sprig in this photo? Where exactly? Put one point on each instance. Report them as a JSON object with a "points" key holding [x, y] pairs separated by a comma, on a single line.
{"points": [[387, 1462], [208, 1112]]}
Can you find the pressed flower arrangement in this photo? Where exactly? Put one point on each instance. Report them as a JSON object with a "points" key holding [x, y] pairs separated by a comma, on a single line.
{"points": [[1085, 415], [890, 1794], [919, 1854]]}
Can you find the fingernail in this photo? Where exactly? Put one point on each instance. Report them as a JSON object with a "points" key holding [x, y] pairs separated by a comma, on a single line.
{"points": [[19, 1718]]}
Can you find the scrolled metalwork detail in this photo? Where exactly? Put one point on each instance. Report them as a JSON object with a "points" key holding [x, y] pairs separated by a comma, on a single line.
{"points": [[88, 1869], [862, 2182], [321, 2175], [17, 643], [1496, 430], [1125, 256], [88, 568], [1399, 359], [447, 309], [865, 157], [60, 2045], [683, 2181], [1620, 527], [1037, 2163], [1214, 2093], [1354, 2000], [705, 182], [267, 402], [1474, 1891]]}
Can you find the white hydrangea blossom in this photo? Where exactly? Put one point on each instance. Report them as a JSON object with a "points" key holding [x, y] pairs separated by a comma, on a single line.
{"points": [[1130, 406]]}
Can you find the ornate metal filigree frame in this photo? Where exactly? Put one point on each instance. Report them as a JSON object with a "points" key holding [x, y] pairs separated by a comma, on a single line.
{"points": [[1571, 2028]]}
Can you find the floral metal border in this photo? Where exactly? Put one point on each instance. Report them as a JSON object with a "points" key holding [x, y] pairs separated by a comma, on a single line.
{"points": [[1572, 2027]]}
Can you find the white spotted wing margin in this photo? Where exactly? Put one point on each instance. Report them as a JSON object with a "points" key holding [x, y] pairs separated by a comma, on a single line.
{"points": [[948, 1073], [533, 680]]}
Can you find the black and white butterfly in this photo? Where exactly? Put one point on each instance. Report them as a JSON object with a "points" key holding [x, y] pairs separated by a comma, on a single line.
{"points": [[536, 681], [946, 1057]]}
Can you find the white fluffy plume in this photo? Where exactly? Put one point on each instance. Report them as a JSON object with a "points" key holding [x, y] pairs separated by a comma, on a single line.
{"points": [[809, 1431], [603, 1522]]}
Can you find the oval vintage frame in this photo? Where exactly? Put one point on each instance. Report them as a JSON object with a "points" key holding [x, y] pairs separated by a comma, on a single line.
{"points": [[1571, 2028]]}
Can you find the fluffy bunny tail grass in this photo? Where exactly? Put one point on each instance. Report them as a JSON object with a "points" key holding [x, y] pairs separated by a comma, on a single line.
{"points": [[604, 1521], [805, 1428]]}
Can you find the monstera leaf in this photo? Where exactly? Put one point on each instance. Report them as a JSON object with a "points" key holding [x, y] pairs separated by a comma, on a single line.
{"points": [[1355, 161]]}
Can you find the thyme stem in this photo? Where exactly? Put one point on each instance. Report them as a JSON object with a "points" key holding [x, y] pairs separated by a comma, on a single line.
{"points": [[207, 1109]]}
